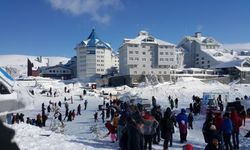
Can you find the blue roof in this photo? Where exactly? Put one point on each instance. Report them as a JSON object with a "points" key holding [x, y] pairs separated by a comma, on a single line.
{"points": [[6, 74], [93, 41]]}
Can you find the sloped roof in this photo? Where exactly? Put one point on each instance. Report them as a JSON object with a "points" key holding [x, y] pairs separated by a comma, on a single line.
{"points": [[93, 41], [144, 37], [219, 54], [230, 64]]}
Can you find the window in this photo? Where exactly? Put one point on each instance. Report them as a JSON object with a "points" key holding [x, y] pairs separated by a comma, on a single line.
{"points": [[171, 53], [166, 59], [161, 59], [165, 72], [202, 58], [131, 58], [144, 59], [159, 72], [161, 53], [136, 52], [208, 66], [171, 59], [136, 58], [130, 52], [135, 72], [197, 55], [144, 65], [202, 62], [208, 62], [197, 59], [166, 53], [143, 46], [144, 53]]}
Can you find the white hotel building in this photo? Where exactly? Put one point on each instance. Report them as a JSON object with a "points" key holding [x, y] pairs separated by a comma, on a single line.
{"points": [[146, 55], [94, 57]]}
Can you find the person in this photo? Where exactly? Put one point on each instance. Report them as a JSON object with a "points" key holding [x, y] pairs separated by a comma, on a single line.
{"points": [[59, 103], [134, 128], [153, 101], [176, 102], [85, 104], [48, 108], [206, 127], [44, 118], [156, 112], [112, 131], [115, 120], [65, 89], [39, 120], [167, 129], [172, 104], [103, 115], [181, 118], [79, 109], [73, 114], [227, 128], [214, 145], [149, 129], [191, 107], [96, 116], [237, 122], [70, 116], [110, 96], [190, 120], [243, 116]]}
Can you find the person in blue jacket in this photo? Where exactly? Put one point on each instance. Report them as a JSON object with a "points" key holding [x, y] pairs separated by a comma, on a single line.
{"points": [[182, 120], [227, 129]]}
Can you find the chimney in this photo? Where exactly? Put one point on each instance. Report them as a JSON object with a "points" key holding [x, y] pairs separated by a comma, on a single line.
{"points": [[197, 34]]}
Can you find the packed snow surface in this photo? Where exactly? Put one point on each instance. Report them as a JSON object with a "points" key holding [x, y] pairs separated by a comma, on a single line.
{"points": [[84, 133]]}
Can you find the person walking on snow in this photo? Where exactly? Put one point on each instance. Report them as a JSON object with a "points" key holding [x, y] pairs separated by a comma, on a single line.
{"points": [[96, 116], [112, 131], [181, 118], [85, 104], [79, 109]]}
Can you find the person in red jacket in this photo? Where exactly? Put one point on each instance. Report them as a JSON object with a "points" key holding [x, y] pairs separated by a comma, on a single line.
{"points": [[111, 132], [237, 122]]}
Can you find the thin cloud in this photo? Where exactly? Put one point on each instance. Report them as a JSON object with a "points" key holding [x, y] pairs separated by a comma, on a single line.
{"points": [[95, 8]]}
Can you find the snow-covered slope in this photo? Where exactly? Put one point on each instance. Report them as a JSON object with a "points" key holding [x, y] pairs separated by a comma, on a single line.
{"points": [[16, 65]]}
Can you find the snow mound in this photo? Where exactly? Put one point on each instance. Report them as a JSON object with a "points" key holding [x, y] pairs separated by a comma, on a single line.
{"points": [[35, 138]]}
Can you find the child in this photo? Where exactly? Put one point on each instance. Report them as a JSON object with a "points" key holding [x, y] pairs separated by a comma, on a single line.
{"points": [[111, 132]]}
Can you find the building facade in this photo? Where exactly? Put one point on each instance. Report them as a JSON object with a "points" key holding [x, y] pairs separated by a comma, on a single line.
{"points": [[146, 55], [57, 72], [93, 57], [203, 52]]}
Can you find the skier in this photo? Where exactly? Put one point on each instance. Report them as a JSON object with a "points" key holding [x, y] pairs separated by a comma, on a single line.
{"points": [[84, 92], [85, 104], [79, 109]]}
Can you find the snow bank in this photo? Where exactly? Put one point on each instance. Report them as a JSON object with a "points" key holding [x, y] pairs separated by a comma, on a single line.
{"points": [[35, 138]]}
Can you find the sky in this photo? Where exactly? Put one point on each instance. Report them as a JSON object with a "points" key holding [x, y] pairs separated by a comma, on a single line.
{"points": [[54, 27]]}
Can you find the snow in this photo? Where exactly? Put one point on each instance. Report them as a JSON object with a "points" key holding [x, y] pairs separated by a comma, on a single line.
{"points": [[84, 133], [224, 57], [18, 63]]}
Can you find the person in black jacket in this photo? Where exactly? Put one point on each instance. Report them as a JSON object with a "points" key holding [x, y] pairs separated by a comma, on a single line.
{"points": [[135, 136], [167, 128], [156, 112], [214, 145]]}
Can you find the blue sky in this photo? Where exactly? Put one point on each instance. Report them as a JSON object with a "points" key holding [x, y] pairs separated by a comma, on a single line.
{"points": [[54, 27]]}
